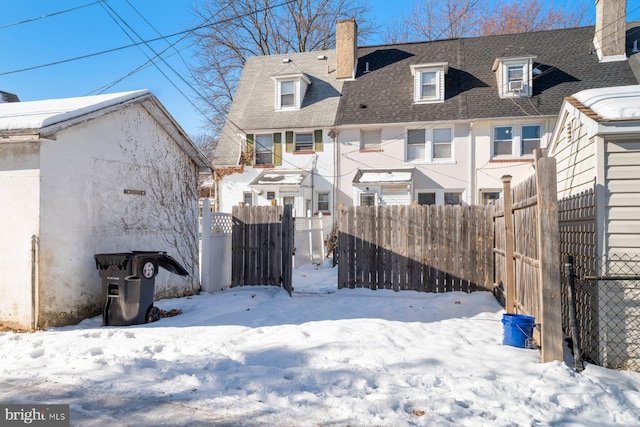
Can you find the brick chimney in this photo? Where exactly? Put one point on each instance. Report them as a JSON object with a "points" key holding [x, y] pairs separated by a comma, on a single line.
{"points": [[611, 30], [346, 48]]}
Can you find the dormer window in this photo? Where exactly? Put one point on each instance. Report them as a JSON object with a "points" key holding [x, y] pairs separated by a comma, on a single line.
{"points": [[514, 76], [290, 90], [428, 81], [287, 94]]}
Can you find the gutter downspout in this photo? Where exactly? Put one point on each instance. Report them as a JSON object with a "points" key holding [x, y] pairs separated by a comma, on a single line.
{"points": [[35, 283]]}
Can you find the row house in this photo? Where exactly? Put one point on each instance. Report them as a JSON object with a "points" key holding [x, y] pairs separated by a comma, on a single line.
{"points": [[434, 122]]}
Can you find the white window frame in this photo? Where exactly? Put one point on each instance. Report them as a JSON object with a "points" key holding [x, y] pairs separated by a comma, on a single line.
{"points": [[247, 195], [523, 140], [291, 94], [377, 146], [439, 69], [503, 66], [368, 194], [299, 81], [328, 201], [430, 145], [263, 152], [494, 140], [517, 140]]}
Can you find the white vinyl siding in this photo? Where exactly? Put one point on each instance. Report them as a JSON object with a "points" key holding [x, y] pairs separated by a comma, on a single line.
{"points": [[575, 154], [395, 195], [622, 206]]}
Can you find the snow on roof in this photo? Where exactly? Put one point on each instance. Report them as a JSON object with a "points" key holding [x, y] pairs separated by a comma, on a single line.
{"points": [[612, 103], [385, 176], [280, 178], [39, 114]]}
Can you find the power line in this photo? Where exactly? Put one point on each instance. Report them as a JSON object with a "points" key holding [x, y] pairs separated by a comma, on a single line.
{"points": [[26, 21], [190, 30]]}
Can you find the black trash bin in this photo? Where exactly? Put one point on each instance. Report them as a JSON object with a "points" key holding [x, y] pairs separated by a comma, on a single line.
{"points": [[128, 285]]}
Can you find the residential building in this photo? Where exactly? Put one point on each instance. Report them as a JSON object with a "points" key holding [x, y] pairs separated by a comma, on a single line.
{"points": [[440, 122], [89, 175], [434, 122]]}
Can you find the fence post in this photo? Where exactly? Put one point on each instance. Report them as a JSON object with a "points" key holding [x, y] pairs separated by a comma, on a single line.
{"points": [[510, 288], [549, 254], [287, 248], [205, 254]]}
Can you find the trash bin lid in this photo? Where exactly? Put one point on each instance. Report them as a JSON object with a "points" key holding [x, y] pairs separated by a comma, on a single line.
{"points": [[165, 261]]}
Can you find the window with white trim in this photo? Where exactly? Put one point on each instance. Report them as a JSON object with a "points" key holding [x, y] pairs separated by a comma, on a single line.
{"points": [[416, 144], [287, 94], [428, 80], [367, 199], [442, 143], [371, 139], [290, 90], [429, 144], [503, 141], [322, 202], [514, 76], [247, 198], [264, 149], [304, 142], [530, 139]]}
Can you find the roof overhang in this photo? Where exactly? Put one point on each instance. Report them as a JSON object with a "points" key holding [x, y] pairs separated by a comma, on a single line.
{"points": [[416, 67], [500, 60], [280, 178], [383, 176], [295, 76]]}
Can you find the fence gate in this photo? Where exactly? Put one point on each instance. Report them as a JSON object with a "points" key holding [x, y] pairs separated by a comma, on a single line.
{"points": [[262, 246], [215, 251]]}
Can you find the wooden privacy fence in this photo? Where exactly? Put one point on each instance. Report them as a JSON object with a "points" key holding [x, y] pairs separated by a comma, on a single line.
{"points": [[423, 248], [527, 253], [262, 246]]}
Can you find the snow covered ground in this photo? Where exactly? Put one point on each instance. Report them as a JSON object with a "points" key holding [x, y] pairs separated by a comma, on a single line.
{"points": [[253, 356]]}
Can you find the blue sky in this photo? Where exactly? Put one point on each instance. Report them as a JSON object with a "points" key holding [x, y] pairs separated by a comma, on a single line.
{"points": [[90, 29]]}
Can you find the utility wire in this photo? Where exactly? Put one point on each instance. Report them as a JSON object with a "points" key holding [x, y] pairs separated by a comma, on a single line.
{"points": [[190, 30], [26, 21]]}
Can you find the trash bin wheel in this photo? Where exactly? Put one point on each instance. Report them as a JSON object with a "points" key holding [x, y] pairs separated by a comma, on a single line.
{"points": [[153, 314]]}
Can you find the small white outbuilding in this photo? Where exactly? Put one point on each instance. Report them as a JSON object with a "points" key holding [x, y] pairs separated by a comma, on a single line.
{"points": [[88, 175]]}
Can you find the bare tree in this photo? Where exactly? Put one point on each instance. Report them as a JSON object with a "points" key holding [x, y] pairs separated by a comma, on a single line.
{"points": [[243, 28], [522, 17], [437, 19]]}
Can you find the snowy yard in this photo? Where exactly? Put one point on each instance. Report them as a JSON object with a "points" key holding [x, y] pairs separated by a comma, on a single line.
{"points": [[253, 356]]}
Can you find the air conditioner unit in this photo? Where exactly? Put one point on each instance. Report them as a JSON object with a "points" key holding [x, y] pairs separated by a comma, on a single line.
{"points": [[516, 85]]}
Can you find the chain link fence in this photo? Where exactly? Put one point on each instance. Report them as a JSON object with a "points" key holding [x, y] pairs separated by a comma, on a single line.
{"points": [[607, 293]]}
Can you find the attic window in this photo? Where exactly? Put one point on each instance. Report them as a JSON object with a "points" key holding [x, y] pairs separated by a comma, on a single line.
{"points": [[428, 82], [290, 90], [514, 76]]}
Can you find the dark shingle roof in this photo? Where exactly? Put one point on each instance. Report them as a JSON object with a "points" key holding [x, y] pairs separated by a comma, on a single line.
{"points": [[564, 56]]}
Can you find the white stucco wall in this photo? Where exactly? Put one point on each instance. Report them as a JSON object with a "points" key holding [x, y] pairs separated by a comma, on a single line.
{"points": [[84, 175], [438, 176], [320, 164], [489, 169], [19, 213]]}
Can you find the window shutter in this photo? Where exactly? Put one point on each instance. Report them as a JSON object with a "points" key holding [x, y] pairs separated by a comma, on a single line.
{"points": [[277, 149], [317, 140], [250, 153], [289, 141]]}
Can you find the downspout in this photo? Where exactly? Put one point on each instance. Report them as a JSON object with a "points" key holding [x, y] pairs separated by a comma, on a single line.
{"points": [[35, 285], [472, 167]]}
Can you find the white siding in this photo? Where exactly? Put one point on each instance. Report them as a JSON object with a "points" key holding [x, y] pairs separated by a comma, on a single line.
{"points": [[395, 195], [622, 202], [575, 153]]}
